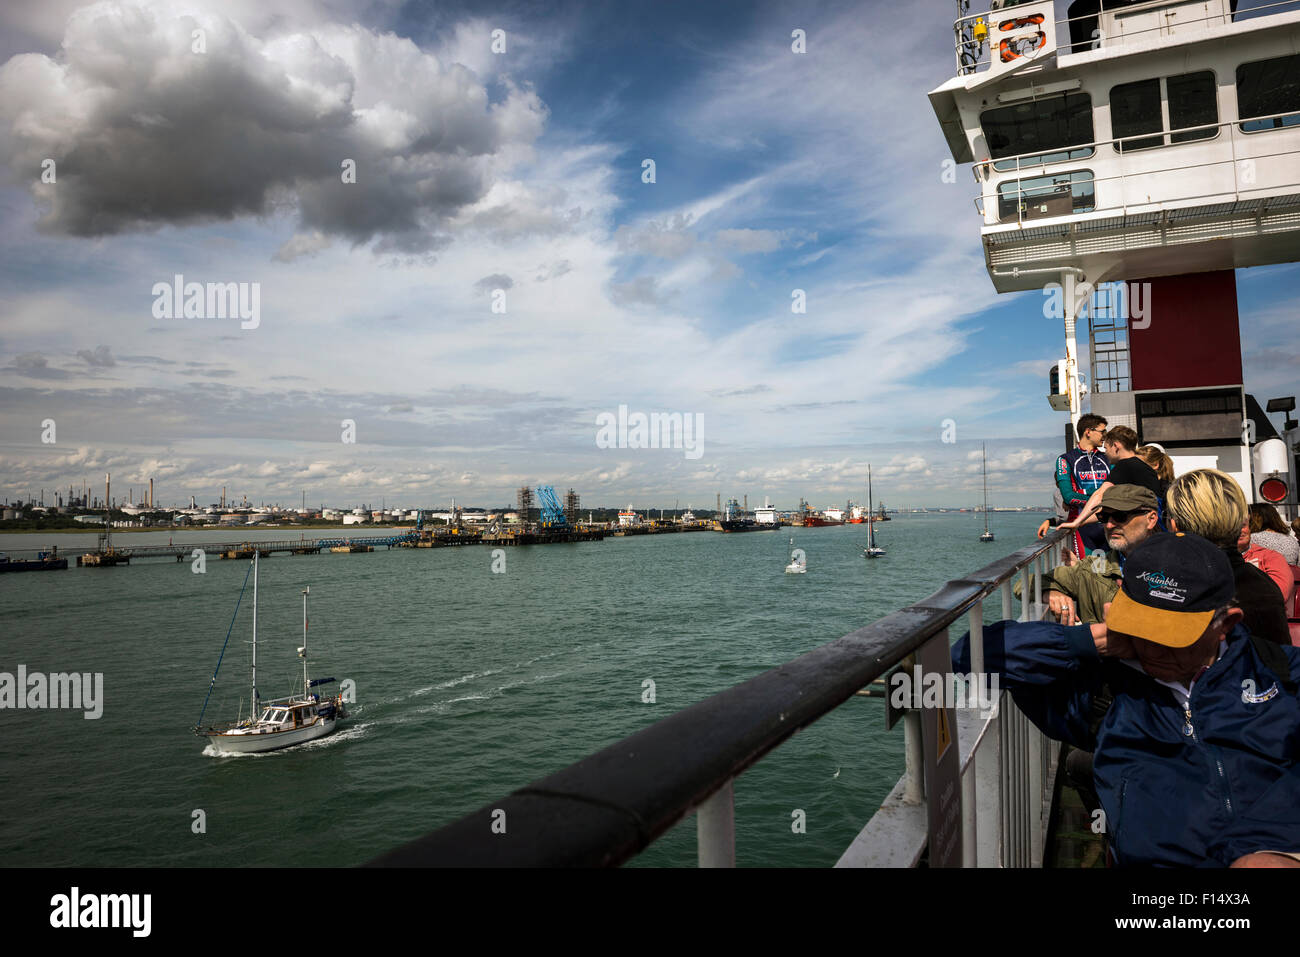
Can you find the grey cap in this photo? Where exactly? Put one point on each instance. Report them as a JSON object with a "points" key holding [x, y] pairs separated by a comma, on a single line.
{"points": [[1129, 498]]}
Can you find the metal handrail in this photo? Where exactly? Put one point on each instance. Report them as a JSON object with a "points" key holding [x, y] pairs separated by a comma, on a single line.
{"points": [[1041, 168], [609, 806], [964, 23]]}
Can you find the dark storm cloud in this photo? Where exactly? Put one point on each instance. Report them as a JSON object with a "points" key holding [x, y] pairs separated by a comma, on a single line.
{"points": [[495, 281], [145, 131], [33, 365]]}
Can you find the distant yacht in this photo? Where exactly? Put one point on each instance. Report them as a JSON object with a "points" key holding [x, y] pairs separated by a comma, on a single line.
{"points": [[987, 536], [872, 550]]}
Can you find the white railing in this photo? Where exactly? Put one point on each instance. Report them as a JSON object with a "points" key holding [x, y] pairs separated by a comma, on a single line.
{"points": [[974, 56], [1008, 768]]}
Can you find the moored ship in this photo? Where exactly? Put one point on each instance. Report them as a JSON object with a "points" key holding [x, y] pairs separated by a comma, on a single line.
{"points": [[734, 519]]}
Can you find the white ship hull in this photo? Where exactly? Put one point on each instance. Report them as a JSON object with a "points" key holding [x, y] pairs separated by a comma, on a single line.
{"points": [[254, 741]]}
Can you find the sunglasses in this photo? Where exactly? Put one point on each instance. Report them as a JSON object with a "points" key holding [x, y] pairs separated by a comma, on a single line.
{"points": [[1109, 516]]}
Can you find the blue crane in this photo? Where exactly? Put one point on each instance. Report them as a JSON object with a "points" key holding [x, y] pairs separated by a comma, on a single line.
{"points": [[552, 513]]}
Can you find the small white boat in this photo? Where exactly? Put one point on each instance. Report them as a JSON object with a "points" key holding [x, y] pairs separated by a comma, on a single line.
{"points": [[798, 561], [282, 722]]}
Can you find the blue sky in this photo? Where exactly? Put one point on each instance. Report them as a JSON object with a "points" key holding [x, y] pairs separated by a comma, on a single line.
{"points": [[518, 171]]}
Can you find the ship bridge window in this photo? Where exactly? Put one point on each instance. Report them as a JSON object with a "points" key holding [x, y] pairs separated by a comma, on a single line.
{"points": [[1039, 197], [1162, 104], [1271, 89], [1050, 127]]}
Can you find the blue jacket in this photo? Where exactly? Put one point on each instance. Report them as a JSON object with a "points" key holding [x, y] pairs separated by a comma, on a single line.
{"points": [[1177, 791]]}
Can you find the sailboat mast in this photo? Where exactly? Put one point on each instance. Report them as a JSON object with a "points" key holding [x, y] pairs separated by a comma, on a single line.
{"points": [[108, 516], [985, 456], [305, 687], [256, 709], [871, 516]]}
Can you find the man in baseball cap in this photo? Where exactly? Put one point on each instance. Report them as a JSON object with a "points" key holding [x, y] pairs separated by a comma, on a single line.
{"points": [[1197, 761], [1079, 590], [1174, 605]]}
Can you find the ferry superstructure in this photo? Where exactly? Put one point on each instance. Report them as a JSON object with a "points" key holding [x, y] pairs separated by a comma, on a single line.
{"points": [[1154, 145]]}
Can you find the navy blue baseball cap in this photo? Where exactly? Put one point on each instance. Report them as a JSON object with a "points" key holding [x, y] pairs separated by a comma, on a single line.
{"points": [[1173, 584]]}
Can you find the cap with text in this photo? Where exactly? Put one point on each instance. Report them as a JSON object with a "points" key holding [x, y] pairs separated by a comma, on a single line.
{"points": [[1173, 584]]}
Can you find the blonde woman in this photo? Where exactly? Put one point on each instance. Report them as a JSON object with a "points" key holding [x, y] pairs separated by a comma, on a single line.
{"points": [[1211, 504]]}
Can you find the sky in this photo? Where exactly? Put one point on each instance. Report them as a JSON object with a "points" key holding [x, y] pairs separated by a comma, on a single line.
{"points": [[462, 259]]}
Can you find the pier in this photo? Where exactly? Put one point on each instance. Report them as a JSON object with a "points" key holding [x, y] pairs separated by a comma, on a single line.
{"points": [[448, 538]]}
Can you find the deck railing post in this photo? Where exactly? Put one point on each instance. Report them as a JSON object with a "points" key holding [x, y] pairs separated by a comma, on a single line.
{"points": [[969, 798], [914, 788], [1035, 762], [715, 822]]}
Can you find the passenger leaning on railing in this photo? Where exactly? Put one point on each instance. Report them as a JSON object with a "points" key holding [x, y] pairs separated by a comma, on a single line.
{"points": [[1078, 590], [1197, 760], [1210, 503], [1079, 473]]}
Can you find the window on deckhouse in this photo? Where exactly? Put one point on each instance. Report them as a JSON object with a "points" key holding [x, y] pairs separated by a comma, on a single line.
{"points": [[1161, 105], [1051, 128], [1271, 89]]}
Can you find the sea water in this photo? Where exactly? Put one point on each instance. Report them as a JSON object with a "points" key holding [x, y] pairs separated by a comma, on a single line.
{"points": [[470, 683]]}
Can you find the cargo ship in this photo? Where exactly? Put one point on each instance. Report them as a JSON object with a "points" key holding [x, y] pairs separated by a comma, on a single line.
{"points": [[734, 519], [45, 561]]}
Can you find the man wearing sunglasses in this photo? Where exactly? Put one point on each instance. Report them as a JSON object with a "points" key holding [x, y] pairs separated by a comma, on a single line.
{"points": [[1078, 590], [1079, 473]]}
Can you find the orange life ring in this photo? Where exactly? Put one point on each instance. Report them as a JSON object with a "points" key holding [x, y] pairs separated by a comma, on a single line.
{"points": [[1008, 25], [1009, 54]]}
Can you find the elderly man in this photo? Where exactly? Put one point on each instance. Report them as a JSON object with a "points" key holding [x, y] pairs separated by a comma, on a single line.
{"points": [[1079, 590], [1197, 760]]}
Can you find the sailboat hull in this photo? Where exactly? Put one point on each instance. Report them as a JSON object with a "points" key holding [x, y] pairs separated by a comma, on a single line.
{"points": [[253, 741]]}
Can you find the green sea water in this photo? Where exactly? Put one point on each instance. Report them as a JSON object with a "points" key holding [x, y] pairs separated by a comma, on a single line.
{"points": [[469, 684]]}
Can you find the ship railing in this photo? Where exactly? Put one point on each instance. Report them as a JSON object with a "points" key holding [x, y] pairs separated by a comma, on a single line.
{"points": [[975, 56], [611, 805], [1137, 167]]}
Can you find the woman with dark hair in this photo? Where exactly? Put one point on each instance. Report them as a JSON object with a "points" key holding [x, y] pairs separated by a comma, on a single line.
{"points": [[1267, 530]]}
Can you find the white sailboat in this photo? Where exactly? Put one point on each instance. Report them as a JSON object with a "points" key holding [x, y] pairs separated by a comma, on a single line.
{"points": [[283, 722], [872, 550], [798, 561], [987, 536]]}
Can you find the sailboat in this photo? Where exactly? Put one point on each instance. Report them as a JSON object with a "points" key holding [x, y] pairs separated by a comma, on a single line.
{"points": [[987, 536], [798, 561], [283, 722], [872, 550]]}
